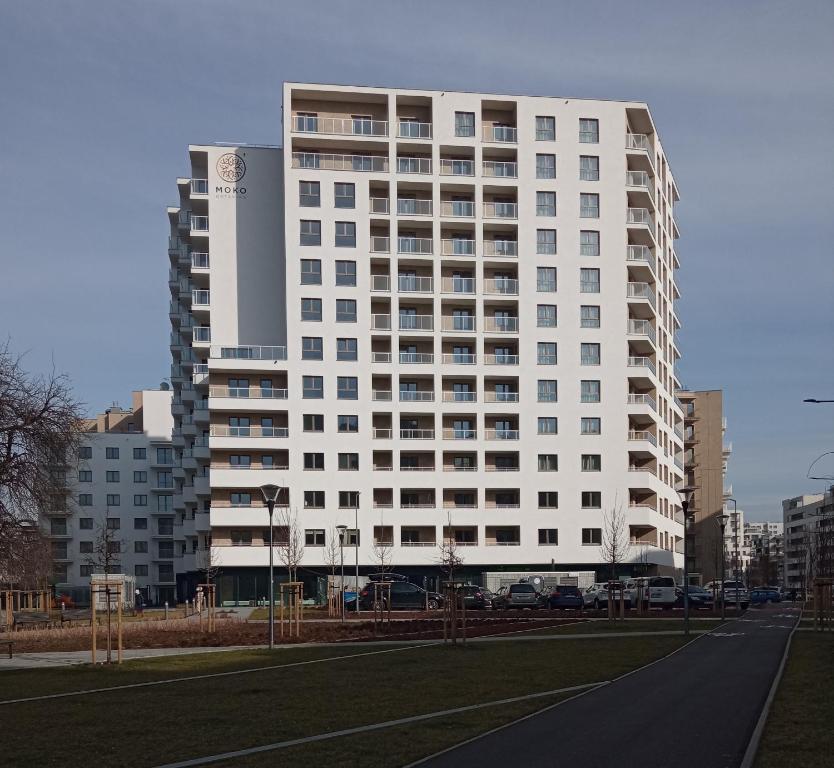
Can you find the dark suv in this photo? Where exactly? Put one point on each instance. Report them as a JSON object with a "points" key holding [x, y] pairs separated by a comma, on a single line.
{"points": [[404, 596], [476, 598]]}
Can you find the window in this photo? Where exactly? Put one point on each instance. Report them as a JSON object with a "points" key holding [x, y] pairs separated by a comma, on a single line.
{"points": [[348, 462], [310, 272], [545, 241], [548, 537], [347, 388], [589, 206], [164, 479], [311, 348], [113, 524], [113, 500], [140, 453], [140, 523], [345, 195], [314, 462], [589, 280], [345, 234], [545, 129], [590, 391], [313, 499], [313, 422], [164, 455], [140, 476], [346, 273], [312, 387], [548, 462], [545, 166], [588, 131], [85, 476], [140, 547], [589, 168], [345, 311], [546, 353], [546, 315], [545, 203], [85, 547], [311, 310], [591, 462], [346, 349], [464, 123], [546, 279], [348, 423], [85, 523], [547, 391], [140, 570], [592, 536], [165, 572], [240, 499], [314, 537], [589, 354], [309, 194], [547, 425], [241, 538], [310, 232], [240, 460], [85, 500], [140, 500], [589, 316], [111, 453], [112, 476], [164, 503], [589, 242], [85, 570], [591, 500], [548, 499], [85, 452]]}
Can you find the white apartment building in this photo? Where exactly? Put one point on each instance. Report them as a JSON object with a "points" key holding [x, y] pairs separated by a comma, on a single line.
{"points": [[808, 538], [122, 479], [448, 316]]}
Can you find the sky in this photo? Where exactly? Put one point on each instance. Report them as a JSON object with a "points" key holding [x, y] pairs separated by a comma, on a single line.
{"points": [[99, 100]]}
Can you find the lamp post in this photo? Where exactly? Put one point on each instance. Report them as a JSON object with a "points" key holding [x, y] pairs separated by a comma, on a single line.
{"points": [[341, 529], [684, 494], [270, 494], [356, 547], [814, 400], [735, 549], [722, 522]]}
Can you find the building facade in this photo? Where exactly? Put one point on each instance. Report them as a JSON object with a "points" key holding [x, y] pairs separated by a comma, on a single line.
{"points": [[808, 539], [119, 495], [430, 317]]}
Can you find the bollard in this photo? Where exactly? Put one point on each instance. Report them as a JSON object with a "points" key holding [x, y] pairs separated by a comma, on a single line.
{"points": [[166, 610]]}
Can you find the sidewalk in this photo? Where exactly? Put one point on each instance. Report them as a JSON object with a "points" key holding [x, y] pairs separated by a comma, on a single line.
{"points": [[695, 709], [50, 660]]}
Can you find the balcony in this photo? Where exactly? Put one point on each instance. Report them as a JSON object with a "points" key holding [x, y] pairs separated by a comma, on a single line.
{"points": [[416, 322], [465, 285], [501, 434], [459, 358], [413, 207], [457, 246], [380, 244], [199, 260], [419, 245], [500, 210], [199, 224], [414, 284], [502, 536], [257, 393], [640, 216], [457, 167], [641, 328], [500, 134], [457, 323], [337, 126], [500, 169], [200, 298], [416, 358], [418, 537], [501, 325], [380, 322], [255, 431], [453, 433], [490, 396], [416, 396], [638, 399], [382, 433], [380, 283], [500, 359], [507, 248], [457, 209], [501, 286], [635, 436], [381, 395], [199, 186], [420, 165], [332, 162], [416, 434], [640, 253], [640, 180], [451, 396], [641, 291], [249, 353], [411, 129], [641, 362]]}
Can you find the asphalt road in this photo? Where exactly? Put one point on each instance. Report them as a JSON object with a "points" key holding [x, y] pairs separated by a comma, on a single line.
{"points": [[694, 709]]}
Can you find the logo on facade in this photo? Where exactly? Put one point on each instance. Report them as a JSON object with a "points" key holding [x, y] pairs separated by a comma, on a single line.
{"points": [[230, 167]]}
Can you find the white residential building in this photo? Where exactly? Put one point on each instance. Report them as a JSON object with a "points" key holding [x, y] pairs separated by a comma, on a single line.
{"points": [[122, 479], [808, 538], [449, 315]]}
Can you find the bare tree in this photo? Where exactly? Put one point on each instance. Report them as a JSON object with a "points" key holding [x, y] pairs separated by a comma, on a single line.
{"points": [[106, 555], [40, 429], [450, 557], [615, 543], [331, 552], [209, 560], [290, 542]]}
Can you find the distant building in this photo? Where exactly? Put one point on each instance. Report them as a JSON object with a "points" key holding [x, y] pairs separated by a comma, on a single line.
{"points": [[808, 538], [705, 463]]}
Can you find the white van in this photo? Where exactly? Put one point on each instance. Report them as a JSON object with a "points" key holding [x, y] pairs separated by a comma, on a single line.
{"points": [[656, 591]]}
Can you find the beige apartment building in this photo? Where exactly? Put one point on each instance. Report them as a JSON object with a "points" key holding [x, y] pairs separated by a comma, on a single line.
{"points": [[429, 316]]}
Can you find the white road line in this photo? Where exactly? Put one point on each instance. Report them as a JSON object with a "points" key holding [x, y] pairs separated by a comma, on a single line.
{"points": [[210, 675], [374, 727]]}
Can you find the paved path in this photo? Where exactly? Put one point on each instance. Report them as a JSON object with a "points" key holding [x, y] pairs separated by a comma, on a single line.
{"points": [[52, 659], [694, 709]]}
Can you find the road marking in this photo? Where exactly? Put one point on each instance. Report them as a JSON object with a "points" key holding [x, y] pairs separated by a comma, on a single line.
{"points": [[725, 634], [374, 727]]}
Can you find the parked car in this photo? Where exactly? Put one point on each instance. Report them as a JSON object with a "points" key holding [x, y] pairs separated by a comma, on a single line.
{"points": [[517, 596], [565, 596], [404, 596], [699, 597], [735, 592], [476, 598], [596, 596], [763, 595], [655, 591]]}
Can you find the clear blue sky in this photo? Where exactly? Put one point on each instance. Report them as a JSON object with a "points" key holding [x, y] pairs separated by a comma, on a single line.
{"points": [[99, 100]]}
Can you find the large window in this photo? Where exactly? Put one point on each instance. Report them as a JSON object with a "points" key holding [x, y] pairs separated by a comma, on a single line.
{"points": [[346, 349], [113, 499], [309, 194], [312, 422], [310, 232], [310, 272], [314, 537], [589, 280], [548, 499], [589, 168], [589, 354], [347, 423], [546, 353], [313, 499], [347, 388], [348, 462], [547, 425], [464, 123], [548, 462], [312, 387], [591, 462], [140, 476], [589, 316], [86, 476], [345, 234], [85, 452], [311, 310], [344, 195], [346, 273], [545, 166], [545, 203], [548, 537], [546, 315], [588, 130], [546, 279], [140, 453], [111, 453], [588, 206], [590, 390], [314, 462], [589, 242], [590, 425], [546, 241], [592, 537], [547, 391], [348, 499], [545, 129], [311, 348], [345, 311], [591, 499]]}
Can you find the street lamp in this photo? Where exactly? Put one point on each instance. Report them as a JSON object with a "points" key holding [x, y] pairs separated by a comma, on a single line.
{"points": [[685, 495], [356, 547], [722, 522], [735, 549], [270, 494], [341, 529], [814, 400]]}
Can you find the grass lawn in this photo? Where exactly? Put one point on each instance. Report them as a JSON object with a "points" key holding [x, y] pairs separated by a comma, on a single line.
{"points": [[629, 625], [158, 724], [798, 731]]}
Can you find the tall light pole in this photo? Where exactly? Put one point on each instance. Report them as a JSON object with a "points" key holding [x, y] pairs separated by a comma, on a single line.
{"points": [[684, 494], [356, 547], [341, 529], [722, 522], [735, 548], [270, 494], [814, 400]]}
